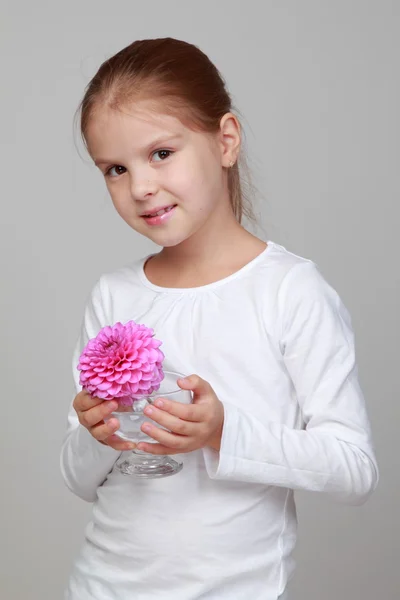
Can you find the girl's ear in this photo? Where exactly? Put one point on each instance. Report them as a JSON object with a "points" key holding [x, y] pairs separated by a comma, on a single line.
{"points": [[230, 139]]}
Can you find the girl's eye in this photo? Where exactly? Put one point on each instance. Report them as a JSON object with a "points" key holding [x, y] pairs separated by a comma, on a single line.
{"points": [[119, 170], [117, 167], [162, 154]]}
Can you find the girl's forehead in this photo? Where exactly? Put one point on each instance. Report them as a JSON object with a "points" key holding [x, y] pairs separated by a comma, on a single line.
{"points": [[140, 117]]}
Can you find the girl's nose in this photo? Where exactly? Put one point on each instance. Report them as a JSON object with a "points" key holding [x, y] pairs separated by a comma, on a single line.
{"points": [[143, 187]]}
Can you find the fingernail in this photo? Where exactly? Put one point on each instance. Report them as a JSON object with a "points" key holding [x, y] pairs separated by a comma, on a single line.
{"points": [[146, 427], [148, 410], [159, 403]]}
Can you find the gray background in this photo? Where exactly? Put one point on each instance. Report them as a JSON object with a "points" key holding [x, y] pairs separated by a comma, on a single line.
{"points": [[318, 83]]}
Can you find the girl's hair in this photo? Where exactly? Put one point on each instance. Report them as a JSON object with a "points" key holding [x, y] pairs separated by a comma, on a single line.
{"points": [[182, 78]]}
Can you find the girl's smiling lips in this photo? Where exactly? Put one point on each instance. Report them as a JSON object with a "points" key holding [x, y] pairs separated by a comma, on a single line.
{"points": [[159, 215], [153, 212]]}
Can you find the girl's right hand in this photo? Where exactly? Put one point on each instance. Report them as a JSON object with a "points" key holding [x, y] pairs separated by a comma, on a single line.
{"points": [[92, 413]]}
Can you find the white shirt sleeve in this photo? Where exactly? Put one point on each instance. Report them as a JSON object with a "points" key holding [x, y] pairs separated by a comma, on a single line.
{"points": [[85, 462], [333, 452]]}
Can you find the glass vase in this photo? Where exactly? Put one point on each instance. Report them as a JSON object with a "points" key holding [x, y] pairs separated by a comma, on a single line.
{"points": [[131, 418]]}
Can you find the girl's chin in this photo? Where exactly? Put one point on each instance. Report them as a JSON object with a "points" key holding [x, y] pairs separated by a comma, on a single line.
{"points": [[159, 235], [166, 235], [167, 241]]}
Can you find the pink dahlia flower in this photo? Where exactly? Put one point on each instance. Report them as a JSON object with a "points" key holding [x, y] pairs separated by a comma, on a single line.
{"points": [[122, 361]]}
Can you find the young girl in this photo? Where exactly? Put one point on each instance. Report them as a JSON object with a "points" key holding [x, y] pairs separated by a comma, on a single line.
{"points": [[265, 341]]}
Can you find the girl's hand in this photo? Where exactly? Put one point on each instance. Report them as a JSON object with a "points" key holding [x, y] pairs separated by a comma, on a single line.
{"points": [[192, 426], [91, 414]]}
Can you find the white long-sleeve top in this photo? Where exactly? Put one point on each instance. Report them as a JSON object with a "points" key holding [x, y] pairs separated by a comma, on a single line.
{"points": [[275, 342]]}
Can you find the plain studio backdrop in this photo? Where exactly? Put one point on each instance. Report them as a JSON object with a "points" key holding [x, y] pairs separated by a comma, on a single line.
{"points": [[318, 84]]}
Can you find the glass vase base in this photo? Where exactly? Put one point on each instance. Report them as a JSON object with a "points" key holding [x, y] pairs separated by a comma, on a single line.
{"points": [[148, 466]]}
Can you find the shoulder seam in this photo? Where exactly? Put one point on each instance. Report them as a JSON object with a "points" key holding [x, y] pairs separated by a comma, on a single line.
{"points": [[305, 262]]}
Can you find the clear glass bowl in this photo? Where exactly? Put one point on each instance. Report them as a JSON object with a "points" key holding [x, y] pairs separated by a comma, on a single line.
{"points": [[131, 418]]}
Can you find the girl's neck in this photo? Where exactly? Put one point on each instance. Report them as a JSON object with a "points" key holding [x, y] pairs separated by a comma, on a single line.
{"points": [[205, 257]]}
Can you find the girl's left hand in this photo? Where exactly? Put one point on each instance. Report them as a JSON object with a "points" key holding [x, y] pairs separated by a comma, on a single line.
{"points": [[191, 426]]}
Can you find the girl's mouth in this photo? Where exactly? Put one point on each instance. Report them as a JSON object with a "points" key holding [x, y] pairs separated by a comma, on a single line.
{"points": [[160, 216]]}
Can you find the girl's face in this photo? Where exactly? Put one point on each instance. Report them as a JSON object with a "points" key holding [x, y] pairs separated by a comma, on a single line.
{"points": [[152, 162]]}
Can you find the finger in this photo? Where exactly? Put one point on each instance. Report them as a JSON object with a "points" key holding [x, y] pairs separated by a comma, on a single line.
{"points": [[157, 449], [188, 412], [200, 387], [165, 437], [116, 443], [170, 421], [102, 431], [84, 401], [97, 414]]}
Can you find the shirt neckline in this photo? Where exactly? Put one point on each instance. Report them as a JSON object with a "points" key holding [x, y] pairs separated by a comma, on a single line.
{"points": [[208, 286]]}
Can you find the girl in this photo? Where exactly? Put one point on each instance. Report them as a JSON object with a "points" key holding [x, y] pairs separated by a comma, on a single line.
{"points": [[267, 341]]}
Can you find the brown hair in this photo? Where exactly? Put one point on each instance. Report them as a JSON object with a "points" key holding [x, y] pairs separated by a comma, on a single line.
{"points": [[180, 74]]}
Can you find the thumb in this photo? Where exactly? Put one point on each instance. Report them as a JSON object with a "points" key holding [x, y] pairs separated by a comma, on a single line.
{"points": [[194, 383]]}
